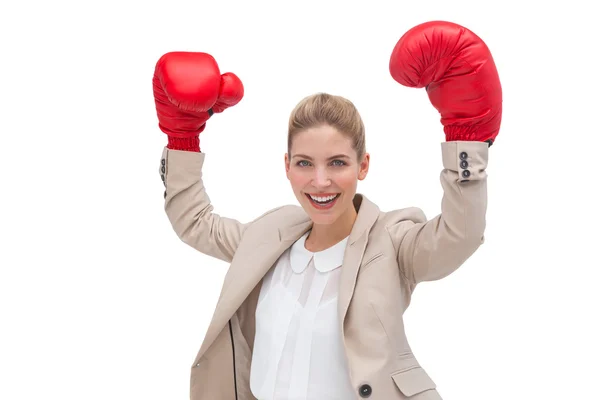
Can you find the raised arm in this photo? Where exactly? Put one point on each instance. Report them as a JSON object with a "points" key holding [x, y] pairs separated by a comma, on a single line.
{"points": [[189, 209], [188, 90], [432, 250], [458, 71]]}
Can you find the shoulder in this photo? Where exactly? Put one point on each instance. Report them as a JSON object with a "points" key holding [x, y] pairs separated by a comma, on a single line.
{"points": [[412, 215], [396, 223], [285, 211], [283, 215], [393, 225]]}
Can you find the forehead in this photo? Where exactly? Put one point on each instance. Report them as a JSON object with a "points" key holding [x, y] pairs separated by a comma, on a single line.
{"points": [[321, 142]]}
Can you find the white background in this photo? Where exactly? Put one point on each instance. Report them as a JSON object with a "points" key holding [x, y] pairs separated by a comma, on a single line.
{"points": [[99, 299]]}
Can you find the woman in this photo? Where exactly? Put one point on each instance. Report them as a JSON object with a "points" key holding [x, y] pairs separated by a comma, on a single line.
{"points": [[312, 304]]}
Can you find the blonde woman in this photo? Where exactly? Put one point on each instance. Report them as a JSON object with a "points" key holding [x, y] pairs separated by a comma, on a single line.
{"points": [[311, 306]]}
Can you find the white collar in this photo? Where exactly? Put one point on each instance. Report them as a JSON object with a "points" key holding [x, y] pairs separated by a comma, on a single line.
{"points": [[325, 260]]}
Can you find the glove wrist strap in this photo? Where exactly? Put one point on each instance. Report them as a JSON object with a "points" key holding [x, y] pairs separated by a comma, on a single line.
{"points": [[184, 144]]}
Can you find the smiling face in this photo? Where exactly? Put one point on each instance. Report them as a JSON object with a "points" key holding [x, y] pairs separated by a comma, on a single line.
{"points": [[323, 170]]}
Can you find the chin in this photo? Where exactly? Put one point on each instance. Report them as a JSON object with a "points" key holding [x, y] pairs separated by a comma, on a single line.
{"points": [[319, 219]]}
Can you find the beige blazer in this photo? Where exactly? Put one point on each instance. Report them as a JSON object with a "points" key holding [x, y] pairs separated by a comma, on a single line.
{"points": [[387, 255]]}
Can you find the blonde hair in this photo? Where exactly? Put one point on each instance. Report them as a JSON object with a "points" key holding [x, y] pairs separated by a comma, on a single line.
{"points": [[325, 109]]}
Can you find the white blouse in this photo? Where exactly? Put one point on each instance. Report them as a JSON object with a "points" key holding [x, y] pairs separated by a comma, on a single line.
{"points": [[298, 353]]}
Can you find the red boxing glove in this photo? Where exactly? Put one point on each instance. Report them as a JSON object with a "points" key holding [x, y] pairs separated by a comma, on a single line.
{"points": [[458, 71], [188, 89]]}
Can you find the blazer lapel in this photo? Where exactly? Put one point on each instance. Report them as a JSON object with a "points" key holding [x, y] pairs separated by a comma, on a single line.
{"points": [[368, 213], [247, 270]]}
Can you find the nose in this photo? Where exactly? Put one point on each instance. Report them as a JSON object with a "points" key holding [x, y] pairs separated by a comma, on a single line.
{"points": [[321, 178]]}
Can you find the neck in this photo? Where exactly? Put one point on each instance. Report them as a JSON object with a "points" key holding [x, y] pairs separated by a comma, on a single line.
{"points": [[322, 237]]}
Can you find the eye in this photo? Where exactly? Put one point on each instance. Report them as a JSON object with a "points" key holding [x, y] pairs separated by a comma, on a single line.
{"points": [[336, 163]]}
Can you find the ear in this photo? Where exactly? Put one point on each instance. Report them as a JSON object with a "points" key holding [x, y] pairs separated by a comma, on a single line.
{"points": [[364, 167], [287, 165]]}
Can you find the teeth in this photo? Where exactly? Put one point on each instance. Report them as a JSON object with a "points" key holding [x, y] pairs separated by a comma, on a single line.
{"points": [[323, 199]]}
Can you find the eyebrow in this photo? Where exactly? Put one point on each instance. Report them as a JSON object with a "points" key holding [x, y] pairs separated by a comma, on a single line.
{"points": [[310, 158]]}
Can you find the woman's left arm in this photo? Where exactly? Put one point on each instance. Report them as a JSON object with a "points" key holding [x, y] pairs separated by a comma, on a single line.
{"points": [[432, 250]]}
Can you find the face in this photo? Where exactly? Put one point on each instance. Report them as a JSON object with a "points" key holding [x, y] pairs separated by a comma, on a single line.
{"points": [[324, 172]]}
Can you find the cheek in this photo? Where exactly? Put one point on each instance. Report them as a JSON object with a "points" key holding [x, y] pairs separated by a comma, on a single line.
{"points": [[347, 180], [297, 180]]}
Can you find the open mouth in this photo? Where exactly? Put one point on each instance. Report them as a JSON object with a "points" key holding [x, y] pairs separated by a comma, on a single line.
{"points": [[323, 202]]}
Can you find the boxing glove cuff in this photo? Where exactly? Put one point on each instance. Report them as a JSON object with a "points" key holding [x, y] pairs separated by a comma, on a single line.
{"points": [[184, 143], [468, 134]]}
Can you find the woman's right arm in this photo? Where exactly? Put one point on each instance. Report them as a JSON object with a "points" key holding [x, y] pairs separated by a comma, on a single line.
{"points": [[189, 209], [188, 90]]}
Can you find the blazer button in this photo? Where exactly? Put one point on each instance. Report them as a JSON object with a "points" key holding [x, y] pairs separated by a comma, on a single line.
{"points": [[162, 161], [466, 173], [463, 155], [165, 195], [365, 391], [464, 164], [162, 169]]}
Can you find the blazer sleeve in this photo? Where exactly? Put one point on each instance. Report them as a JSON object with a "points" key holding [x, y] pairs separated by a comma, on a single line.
{"points": [[190, 211], [433, 249]]}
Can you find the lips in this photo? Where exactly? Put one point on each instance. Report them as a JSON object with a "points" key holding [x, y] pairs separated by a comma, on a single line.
{"points": [[323, 205]]}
